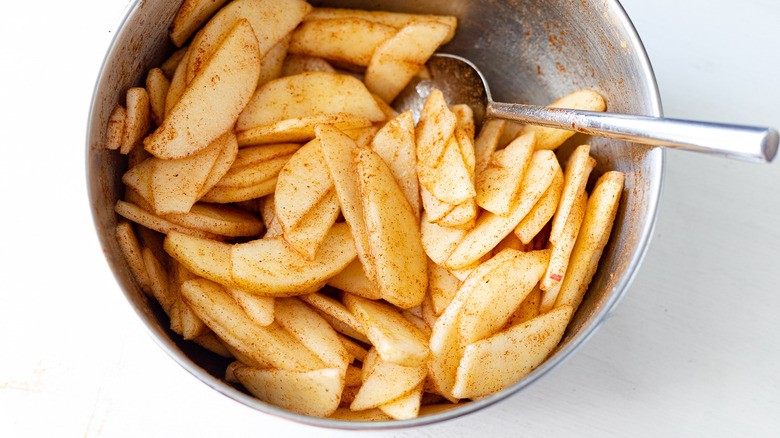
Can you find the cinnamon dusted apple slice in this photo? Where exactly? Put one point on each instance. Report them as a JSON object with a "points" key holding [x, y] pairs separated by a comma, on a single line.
{"points": [[191, 16], [177, 184], [396, 339], [309, 94], [212, 102], [316, 393], [265, 345], [270, 267], [395, 144], [499, 361], [399, 58], [491, 229], [270, 20], [303, 182], [335, 39], [393, 233]]}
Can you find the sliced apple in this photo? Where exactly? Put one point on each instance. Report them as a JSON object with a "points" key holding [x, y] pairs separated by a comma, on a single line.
{"points": [[442, 287], [395, 19], [450, 181], [115, 133], [177, 184], [203, 257], [259, 309], [497, 362], [487, 143], [212, 102], [396, 60], [157, 88], [348, 323], [273, 61], [307, 236], [270, 344], [353, 280], [299, 129], [137, 120], [152, 221], [395, 144], [561, 251], [191, 16], [499, 183], [593, 236], [270, 267], [311, 330], [439, 242], [270, 21], [222, 220], [396, 339], [542, 212], [490, 229], [297, 64], [316, 393], [509, 281], [434, 129], [334, 38], [551, 138], [225, 195], [308, 94], [578, 168], [303, 182], [131, 249], [393, 233], [387, 382], [338, 149]]}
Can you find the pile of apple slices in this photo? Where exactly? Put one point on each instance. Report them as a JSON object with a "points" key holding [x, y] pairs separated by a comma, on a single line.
{"points": [[354, 264]]}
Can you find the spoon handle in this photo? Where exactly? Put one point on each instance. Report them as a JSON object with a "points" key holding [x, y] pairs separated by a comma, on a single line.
{"points": [[747, 143]]}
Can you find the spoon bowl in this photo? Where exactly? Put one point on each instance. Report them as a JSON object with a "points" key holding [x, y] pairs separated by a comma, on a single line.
{"points": [[461, 82]]}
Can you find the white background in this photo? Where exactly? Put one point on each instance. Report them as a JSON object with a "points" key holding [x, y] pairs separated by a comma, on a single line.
{"points": [[692, 350]]}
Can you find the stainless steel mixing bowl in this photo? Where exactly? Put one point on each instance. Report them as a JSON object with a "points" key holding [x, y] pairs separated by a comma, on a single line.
{"points": [[529, 51]]}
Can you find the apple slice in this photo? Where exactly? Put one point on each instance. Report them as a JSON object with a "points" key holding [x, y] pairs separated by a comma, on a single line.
{"points": [[270, 21], [387, 382], [222, 220], [509, 281], [353, 280], [396, 339], [225, 195], [311, 231], [212, 102], [551, 138], [138, 119], [442, 287], [450, 181], [491, 229], [115, 133], [405, 407], [396, 60], [203, 257], [499, 183], [270, 344], [542, 212], [338, 148], [157, 88], [176, 184], [309, 94], [487, 142], [270, 267], [191, 16], [273, 61], [334, 39], [303, 182], [259, 309], [316, 393], [347, 324], [300, 129], [395, 19], [436, 126], [311, 330], [578, 168], [497, 362], [439, 242], [593, 236], [297, 64], [395, 144], [393, 233]]}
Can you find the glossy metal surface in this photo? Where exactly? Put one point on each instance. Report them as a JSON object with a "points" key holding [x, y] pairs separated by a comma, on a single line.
{"points": [[529, 51]]}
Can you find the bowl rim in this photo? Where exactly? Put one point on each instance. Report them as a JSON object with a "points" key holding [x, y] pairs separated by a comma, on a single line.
{"points": [[655, 191]]}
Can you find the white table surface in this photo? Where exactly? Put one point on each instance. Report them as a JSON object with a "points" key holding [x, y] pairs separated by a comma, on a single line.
{"points": [[692, 350]]}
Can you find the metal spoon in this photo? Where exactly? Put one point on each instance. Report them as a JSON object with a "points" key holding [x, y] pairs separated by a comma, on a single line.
{"points": [[461, 82]]}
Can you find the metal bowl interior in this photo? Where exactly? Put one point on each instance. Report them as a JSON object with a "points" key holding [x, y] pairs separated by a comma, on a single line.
{"points": [[529, 51]]}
